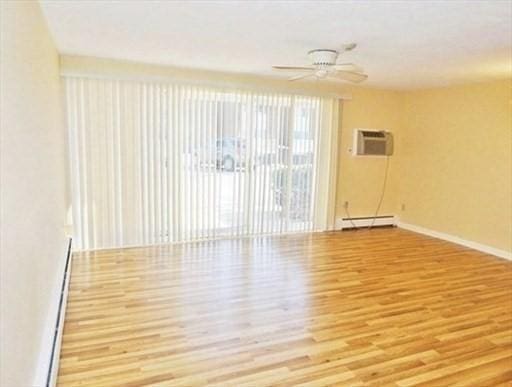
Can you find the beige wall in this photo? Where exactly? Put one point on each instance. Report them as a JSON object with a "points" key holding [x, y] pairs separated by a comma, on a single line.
{"points": [[124, 69], [456, 164], [361, 178], [32, 191]]}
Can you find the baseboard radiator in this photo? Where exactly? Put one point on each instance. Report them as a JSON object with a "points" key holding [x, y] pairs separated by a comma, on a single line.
{"points": [[365, 221], [51, 378]]}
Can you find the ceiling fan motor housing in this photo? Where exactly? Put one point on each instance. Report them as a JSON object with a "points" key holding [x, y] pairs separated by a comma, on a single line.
{"points": [[323, 57]]}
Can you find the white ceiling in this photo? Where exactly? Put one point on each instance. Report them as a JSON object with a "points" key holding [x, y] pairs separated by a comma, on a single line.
{"points": [[401, 44]]}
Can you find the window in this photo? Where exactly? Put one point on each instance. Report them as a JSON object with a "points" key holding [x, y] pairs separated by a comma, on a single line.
{"points": [[157, 163]]}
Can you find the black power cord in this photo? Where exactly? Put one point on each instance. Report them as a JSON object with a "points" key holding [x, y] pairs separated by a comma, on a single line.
{"points": [[349, 217]]}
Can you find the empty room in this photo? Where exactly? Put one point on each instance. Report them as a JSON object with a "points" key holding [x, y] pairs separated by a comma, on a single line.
{"points": [[255, 193]]}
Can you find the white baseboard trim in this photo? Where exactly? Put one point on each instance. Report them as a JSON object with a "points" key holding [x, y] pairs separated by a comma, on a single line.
{"points": [[49, 353], [455, 239], [346, 223]]}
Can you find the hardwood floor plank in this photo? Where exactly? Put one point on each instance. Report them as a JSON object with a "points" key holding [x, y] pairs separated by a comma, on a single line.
{"points": [[359, 308]]}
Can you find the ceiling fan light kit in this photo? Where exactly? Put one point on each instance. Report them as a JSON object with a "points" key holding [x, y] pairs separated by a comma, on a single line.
{"points": [[324, 65], [323, 57]]}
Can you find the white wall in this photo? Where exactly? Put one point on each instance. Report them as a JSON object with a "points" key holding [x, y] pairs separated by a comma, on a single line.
{"points": [[32, 191]]}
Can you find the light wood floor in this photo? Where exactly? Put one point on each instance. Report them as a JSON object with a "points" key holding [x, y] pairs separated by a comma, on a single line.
{"points": [[356, 308]]}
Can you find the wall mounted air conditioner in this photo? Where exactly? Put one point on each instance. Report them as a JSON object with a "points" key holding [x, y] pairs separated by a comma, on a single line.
{"points": [[368, 142]]}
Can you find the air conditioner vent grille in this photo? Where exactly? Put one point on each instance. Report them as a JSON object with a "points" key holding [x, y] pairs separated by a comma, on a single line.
{"points": [[374, 147], [373, 142], [367, 133]]}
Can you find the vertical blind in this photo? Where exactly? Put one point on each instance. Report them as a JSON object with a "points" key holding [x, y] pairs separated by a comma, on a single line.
{"points": [[155, 162]]}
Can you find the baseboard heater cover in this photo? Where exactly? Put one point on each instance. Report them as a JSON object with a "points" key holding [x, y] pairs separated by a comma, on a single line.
{"points": [[366, 221], [51, 379]]}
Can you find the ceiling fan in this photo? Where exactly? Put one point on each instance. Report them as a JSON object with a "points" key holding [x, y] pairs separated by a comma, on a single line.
{"points": [[324, 65]]}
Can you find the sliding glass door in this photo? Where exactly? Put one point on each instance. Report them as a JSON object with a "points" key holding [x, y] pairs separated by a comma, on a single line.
{"points": [[158, 163]]}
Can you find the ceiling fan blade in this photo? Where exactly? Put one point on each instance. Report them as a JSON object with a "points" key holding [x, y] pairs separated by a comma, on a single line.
{"points": [[302, 76], [349, 76], [349, 67], [292, 68]]}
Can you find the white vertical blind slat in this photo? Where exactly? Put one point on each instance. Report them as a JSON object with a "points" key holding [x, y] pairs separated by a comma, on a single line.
{"points": [[91, 229], [118, 173], [172, 166]]}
